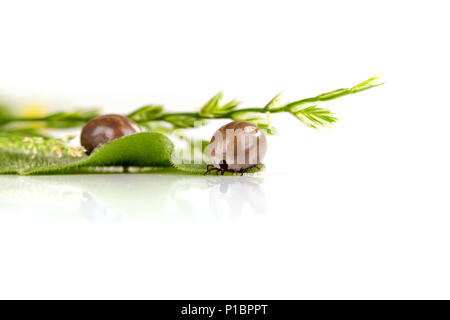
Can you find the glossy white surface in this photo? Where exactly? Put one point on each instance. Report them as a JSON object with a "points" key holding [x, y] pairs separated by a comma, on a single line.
{"points": [[359, 212], [274, 236]]}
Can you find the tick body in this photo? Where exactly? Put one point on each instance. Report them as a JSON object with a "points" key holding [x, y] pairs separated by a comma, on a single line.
{"points": [[103, 129], [236, 147]]}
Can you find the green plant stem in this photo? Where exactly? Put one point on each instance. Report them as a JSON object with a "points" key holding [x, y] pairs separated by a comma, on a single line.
{"points": [[305, 110], [284, 108], [162, 117], [197, 115], [43, 119]]}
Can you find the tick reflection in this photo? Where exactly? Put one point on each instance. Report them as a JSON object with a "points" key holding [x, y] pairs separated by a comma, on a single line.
{"points": [[236, 197], [219, 197], [113, 198]]}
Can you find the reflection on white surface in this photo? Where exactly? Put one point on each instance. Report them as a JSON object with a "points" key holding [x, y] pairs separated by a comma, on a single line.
{"points": [[133, 196], [236, 196]]}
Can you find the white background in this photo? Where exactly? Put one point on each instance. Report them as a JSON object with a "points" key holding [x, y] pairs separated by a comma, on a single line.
{"points": [[359, 212]]}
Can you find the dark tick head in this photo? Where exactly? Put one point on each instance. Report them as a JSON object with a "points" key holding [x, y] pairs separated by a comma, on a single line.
{"points": [[223, 165]]}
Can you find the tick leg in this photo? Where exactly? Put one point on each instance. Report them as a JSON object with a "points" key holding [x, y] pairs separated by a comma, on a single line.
{"points": [[210, 168], [222, 171], [242, 171]]}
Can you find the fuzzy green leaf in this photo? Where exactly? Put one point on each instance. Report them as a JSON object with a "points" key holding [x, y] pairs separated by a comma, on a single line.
{"points": [[146, 149], [150, 151]]}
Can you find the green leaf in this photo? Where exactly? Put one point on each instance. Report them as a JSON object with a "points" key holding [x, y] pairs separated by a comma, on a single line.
{"points": [[211, 105], [315, 117], [158, 126], [226, 108], [332, 94], [181, 121], [151, 151], [23, 163], [274, 103], [140, 150], [146, 149], [146, 113], [370, 83], [214, 109], [301, 104]]}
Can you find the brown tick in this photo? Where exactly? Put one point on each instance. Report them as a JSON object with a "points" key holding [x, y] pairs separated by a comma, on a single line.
{"points": [[236, 147], [103, 129]]}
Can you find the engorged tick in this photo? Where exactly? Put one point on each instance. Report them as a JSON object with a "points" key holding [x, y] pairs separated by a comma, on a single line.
{"points": [[103, 129], [236, 147]]}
